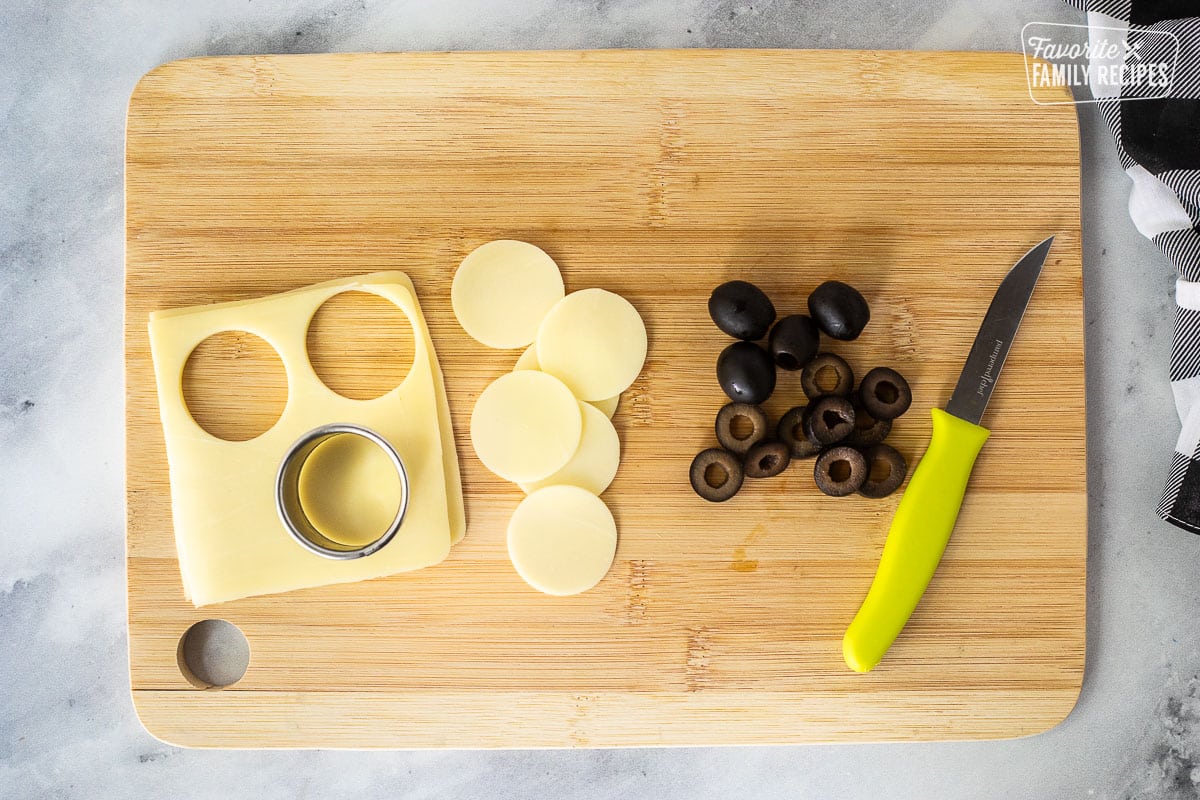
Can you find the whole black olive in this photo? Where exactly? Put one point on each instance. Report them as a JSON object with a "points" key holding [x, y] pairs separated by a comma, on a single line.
{"points": [[794, 341], [791, 432], [742, 310], [884, 393], [840, 471], [886, 469], [867, 430], [716, 474], [731, 420], [746, 373], [829, 420], [766, 460], [813, 376], [839, 310]]}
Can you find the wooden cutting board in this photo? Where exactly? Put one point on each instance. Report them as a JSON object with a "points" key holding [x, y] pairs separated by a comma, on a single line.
{"points": [[918, 177]]}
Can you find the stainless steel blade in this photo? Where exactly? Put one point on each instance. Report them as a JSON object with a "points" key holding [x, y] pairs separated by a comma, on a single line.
{"points": [[996, 335]]}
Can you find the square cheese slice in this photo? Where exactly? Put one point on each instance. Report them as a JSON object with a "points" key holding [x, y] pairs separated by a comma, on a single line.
{"points": [[230, 541]]}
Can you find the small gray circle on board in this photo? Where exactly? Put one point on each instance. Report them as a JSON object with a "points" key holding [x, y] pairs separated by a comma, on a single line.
{"points": [[214, 653]]}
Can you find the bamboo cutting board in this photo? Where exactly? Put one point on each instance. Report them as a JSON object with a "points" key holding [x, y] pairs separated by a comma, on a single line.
{"points": [[920, 178]]}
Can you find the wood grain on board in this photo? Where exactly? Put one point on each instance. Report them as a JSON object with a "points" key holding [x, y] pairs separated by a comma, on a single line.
{"points": [[920, 178]]}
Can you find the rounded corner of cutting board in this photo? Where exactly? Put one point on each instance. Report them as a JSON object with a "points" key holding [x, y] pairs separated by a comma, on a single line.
{"points": [[148, 707], [1053, 713], [159, 77]]}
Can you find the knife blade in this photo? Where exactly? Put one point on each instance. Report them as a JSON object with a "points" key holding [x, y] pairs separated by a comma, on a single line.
{"points": [[928, 510]]}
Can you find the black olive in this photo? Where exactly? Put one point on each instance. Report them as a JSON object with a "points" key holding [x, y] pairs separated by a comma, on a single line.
{"points": [[766, 460], [829, 420], [791, 433], [716, 474], [840, 471], [884, 393], [742, 310], [729, 426], [746, 373], [839, 310], [794, 341], [812, 378], [886, 469], [867, 430]]}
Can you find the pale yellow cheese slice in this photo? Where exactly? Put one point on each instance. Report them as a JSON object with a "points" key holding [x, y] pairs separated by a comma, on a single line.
{"points": [[562, 540], [526, 425], [529, 360], [607, 406], [230, 541], [594, 341], [595, 462], [502, 290]]}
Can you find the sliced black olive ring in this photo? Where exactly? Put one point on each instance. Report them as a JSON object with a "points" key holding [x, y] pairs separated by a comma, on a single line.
{"points": [[829, 420], [791, 433], [867, 430], [767, 459], [884, 393], [840, 471], [811, 377], [732, 421], [716, 474], [886, 469]]}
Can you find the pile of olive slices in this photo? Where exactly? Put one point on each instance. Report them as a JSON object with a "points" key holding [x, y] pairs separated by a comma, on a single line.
{"points": [[842, 426]]}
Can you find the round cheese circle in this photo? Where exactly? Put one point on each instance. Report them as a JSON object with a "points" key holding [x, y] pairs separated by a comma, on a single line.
{"points": [[502, 291], [526, 426], [562, 540], [350, 490], [595, 462], [594, 341], [529, 360], [607, 405]]}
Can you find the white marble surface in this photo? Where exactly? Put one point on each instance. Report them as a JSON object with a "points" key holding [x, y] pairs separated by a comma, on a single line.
{"points": [[67, 727]]}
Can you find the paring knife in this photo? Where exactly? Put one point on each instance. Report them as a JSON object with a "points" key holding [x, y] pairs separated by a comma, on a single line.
{"points": [[929, 508]]}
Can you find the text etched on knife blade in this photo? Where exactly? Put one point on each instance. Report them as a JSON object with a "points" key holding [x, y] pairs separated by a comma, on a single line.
{"points": [[989, 376]]}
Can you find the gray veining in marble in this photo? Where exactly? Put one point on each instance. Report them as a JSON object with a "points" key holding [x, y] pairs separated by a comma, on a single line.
{"points": [[67, 727]]}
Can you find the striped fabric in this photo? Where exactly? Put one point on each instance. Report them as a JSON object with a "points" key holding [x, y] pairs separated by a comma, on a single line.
{"points": [[1159, 145]]}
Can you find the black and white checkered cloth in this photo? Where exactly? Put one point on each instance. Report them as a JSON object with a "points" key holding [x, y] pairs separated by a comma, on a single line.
{"points": [[1159, 145]]}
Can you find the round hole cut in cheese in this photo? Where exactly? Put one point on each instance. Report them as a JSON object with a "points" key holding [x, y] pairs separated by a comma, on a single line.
{"points": [[595, 462], [562, 540], [594, 341], [529, 360], [526, 426], [502, 291]]}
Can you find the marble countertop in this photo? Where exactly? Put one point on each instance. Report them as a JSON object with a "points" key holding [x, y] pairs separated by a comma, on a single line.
{"points": [[67, 726]]}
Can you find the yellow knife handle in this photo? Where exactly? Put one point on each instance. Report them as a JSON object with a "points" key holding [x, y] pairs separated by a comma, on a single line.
{"points": [[918, 536]]}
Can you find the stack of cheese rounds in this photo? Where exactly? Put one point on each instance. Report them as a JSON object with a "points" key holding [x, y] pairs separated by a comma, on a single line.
{"points": [[546, 425]]}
